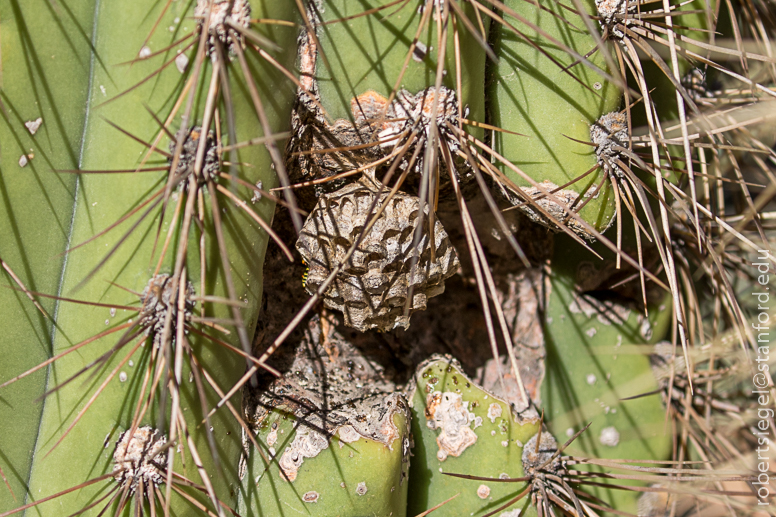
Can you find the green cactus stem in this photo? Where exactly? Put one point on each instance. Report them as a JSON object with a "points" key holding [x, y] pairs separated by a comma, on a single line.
{"points": [[375, 55], [532, 93], [333, 436], [458, 427], [41, 127], [116, 100], [593, 367]]}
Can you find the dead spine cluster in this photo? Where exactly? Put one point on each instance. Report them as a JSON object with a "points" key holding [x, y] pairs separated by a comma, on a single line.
{"points": [[139, 458], [159, 298], [223, 24]]}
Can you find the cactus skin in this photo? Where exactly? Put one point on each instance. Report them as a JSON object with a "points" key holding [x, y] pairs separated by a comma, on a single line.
{"points": [[41, 52], [82, 452], [333, 418], [131, 270], [532, 96], [376, 55], [580, 345], [345, 479], [120, 31], [487, 457]]}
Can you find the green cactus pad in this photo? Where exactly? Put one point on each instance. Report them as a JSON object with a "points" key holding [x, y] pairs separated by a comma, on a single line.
{"points": [[339, 473], [333, 434], [592, 366], [460, 428], [532, 95]]}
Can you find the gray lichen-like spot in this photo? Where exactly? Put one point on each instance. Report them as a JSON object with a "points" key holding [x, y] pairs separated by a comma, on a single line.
{"points": [[374, 283], [307, 443], [447, 413], [310, 497]]}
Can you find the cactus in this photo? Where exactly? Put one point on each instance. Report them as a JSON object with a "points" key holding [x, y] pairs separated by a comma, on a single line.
{"points": [[596, 374], [80, 420], [322, 430], [36, 205], [460, 428], [144, 148], [536, 93]]}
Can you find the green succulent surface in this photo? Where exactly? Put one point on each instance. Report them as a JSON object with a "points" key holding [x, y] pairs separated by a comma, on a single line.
{"points": [[366, 52], [535, 91], [41, 52], [350, 477], [90, 50], [593, 367], [445, 402]]}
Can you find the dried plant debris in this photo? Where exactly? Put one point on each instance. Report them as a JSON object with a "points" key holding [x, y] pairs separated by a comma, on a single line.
{"points": [[378, 130], [374, 283], [219, 18], [557, 202], [523, 298], [188, 156], [159, 298], [140, 457], [318, 149]]}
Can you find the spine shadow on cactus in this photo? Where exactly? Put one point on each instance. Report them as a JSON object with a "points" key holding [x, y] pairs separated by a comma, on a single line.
{"points": [[106, 200], [415, 132], [36, 205]]}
